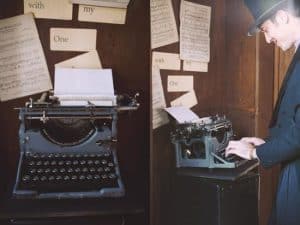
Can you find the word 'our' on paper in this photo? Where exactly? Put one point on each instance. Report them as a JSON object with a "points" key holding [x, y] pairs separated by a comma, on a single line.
{"points": [[23, 68]]}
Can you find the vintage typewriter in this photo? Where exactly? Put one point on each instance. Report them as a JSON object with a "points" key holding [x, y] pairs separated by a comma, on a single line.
{"points": [[203, 143], [69, 151]]}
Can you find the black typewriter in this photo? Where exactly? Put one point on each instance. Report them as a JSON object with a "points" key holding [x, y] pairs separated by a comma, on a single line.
{"points": [[69, 151], [203, 144]]}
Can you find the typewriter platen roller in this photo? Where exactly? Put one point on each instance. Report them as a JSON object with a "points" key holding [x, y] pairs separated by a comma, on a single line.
{"points": [[69, 151]]}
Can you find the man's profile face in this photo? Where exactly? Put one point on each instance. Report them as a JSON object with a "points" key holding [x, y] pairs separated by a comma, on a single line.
{"points": [[278, 31]]}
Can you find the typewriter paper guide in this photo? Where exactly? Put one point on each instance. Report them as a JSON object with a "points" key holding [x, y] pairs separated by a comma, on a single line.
{"points": [[78, 87], [185, 115]]}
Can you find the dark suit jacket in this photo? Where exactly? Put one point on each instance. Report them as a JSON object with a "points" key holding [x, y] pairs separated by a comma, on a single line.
{"points": [[283, 146]]}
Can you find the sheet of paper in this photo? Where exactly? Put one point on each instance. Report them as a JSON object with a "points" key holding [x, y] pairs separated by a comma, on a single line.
{"points": [[159, 116], [166, 61], [69, 39], [194, 31], [105, 3], [89, 60], [23, 68], [195, 66], [50, 9], [180, 83], [80, 82], [182, 114], [188, 100], [163, 24], [101, 14]]}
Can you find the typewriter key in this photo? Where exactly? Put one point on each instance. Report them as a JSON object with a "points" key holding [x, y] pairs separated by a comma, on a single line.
{"points": [[31, 163], [26, 178], [85, 170], [54, 170], [92, 170], [36, 178], [60, 163], [51, 178], [32, 171], [70, 170], [53, 163], [110, 164], [96, 177], [81, 177], [58, 178], [75, 162], [77, 170], [74, 177], [97, 162], [89, 177], [43, 178], [104, 161], [104, 176], [112, 176], [47, 170], [66, 178], [100, 169], [40, 170], [39, 163], [90, 162], [46, 163], [106, 169], [62, 170], [82, 162], [68, 163]]}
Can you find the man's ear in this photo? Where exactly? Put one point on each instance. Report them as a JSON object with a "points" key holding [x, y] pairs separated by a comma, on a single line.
{"points": [[281, 17]]}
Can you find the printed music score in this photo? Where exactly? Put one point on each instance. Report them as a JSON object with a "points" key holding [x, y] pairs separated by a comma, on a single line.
{"points": [[23, 68]]}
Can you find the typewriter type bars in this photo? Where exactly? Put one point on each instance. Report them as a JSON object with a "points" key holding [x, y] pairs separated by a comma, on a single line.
{"points": [[68, 152], [203, 144]]}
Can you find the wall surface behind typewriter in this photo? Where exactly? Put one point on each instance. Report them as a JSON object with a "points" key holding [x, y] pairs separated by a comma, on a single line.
{"points": [[125, 49], [210, 92]]}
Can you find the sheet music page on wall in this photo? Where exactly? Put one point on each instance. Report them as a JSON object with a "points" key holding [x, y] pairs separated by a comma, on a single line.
{"points": [[23, 67], [105, 3], [160, 117], [163, 24], [194, 31]]}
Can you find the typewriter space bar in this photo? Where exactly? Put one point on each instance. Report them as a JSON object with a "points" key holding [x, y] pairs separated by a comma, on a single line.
{"points": [[72, 187]]}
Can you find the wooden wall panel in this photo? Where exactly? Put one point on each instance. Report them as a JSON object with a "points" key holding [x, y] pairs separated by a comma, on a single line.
{"points": [[125, 49], [210, 92]]}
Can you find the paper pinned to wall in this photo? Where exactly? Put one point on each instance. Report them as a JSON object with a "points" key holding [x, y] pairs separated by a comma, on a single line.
{"points": [[166, 61], [104, 3], [102, 14], [194, 31], [89, 60], [188, 100], [49, 9], [180, 83], [23, 67], [163, 24], [159, 116], [195, 66], [72, 39]]}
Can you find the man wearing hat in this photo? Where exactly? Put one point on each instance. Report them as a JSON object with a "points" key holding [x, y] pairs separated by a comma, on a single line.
{"points": [[279, 21]]}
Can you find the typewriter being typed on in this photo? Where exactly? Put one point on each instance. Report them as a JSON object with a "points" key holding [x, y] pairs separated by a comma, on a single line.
{"points": [[203, 143], [70, 151]]}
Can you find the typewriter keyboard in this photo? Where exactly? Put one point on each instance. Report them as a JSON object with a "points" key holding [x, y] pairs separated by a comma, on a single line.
{"points": [[66, 172], [238, 161]]}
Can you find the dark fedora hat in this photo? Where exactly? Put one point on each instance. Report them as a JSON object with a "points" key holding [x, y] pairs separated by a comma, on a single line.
{"points": [[262, 10]]}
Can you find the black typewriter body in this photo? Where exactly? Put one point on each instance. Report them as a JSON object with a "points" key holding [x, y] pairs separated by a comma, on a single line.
{"points": [[203, 144], [68, 152]]}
